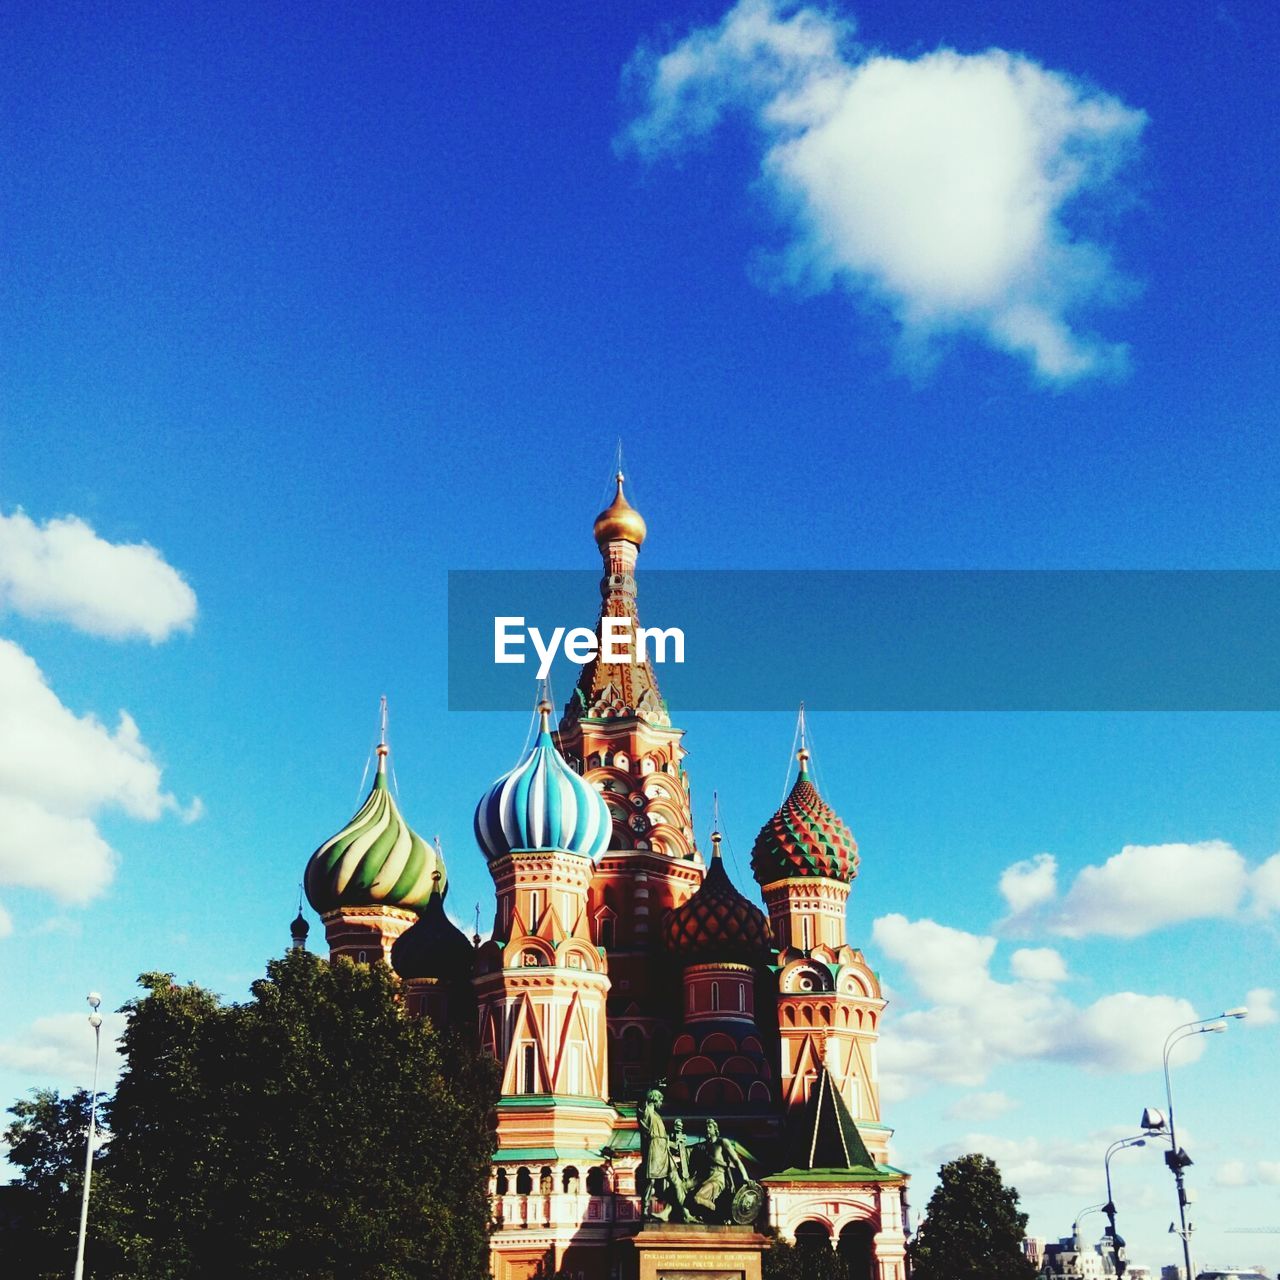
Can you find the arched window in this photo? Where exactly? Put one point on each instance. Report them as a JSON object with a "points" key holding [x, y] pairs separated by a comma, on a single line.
{"points": [[502, 1182], [363, 957], [715, 995], [524, 1182], [632, 1045], [606, 932], [569, 1180], [529, 1070], [742, 997], [596, 1183]]}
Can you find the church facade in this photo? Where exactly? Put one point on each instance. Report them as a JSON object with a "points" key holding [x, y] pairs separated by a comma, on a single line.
{"points": [[621, 957]]}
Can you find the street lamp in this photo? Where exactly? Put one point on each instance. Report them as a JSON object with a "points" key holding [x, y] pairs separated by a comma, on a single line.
{"points": [[1117, 1243], [95, 1021], [1175, 1157], [1075, 1226]]}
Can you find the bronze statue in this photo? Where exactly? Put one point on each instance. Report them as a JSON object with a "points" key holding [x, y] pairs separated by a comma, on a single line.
{"points": [[718, 1171], [655, 1157], [714, 1187]]}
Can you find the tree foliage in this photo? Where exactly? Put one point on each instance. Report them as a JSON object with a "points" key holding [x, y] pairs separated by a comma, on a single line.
{"points": [[973, 1228], [314, 1131], [803, 1261]]}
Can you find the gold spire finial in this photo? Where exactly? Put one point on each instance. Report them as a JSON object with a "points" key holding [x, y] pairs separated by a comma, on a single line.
{"points": [[620, 521], [382, 734], [716, 837], [544, 715]]}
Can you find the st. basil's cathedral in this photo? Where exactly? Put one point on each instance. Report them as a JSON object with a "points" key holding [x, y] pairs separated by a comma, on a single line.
{"points": [[620, 957]]}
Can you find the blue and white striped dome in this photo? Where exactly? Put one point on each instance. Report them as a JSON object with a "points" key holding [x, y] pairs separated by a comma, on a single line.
{"points": [[543, 804]]}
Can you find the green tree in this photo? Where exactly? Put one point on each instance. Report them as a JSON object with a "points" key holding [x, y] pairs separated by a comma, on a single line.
{"points": [[314, 1131], [46, 1141], [973, 1228], [803, 1261]]}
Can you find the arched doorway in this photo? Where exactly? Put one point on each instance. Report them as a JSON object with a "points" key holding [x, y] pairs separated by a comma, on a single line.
{"points": [[813, 1235], [856, 1250]]}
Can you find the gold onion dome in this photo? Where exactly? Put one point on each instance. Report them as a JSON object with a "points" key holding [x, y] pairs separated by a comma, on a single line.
{"points": [[620, 521], [717, 923], [377, 859], [805, 838]]}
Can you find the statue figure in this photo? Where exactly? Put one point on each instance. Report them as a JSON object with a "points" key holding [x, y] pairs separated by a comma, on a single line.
{"points": [[718, 1169], [655, 1157], [679, 1167]]}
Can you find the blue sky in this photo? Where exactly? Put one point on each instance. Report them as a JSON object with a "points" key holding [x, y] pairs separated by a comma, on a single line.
{"points": [[320, 304]]}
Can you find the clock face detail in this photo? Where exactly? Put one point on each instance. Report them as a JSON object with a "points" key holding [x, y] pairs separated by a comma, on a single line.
{"points": [[639, 823], [637, 799]]}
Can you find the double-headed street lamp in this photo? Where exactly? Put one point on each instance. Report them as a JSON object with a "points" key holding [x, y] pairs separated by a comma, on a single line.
{"points": [[1117, 1242], [95, 1021], [1154, 1123]]}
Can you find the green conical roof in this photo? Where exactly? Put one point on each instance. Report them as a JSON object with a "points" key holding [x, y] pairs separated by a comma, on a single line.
{"points": [[377, 859], [829, 1138]]}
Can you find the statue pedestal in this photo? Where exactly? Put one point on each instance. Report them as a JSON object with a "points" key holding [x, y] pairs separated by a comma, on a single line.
{"points": [[685, 1251]]}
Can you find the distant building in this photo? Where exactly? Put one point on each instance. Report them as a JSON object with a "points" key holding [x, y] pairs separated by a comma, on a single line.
{"points": [[1033, 1250], [1171, 1273]]}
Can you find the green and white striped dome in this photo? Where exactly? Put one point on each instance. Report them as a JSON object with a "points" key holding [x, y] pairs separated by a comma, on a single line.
{"points": [[377, 859]]}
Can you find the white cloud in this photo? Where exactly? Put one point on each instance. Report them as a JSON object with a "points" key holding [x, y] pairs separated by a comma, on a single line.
{"points": [[941, 187], [1261, 1003], [1233, 1173], [63, 570], [980, 1106], [970, 1022], [1140, 889], [1034, 1166], [1265, 884], [59, 1048], [58, 773], [1030, 883], [1145, 887], [1038, 964], [1269, 1172]]}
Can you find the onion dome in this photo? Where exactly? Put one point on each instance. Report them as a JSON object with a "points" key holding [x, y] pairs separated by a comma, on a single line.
{"points": [[299, 929], [620, 521], [806, 837], [543, 804], [717, 923], [376, 859], [434, 947]]}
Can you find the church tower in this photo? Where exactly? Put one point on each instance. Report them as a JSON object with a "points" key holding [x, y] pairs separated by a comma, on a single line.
{"points": [[617, 733], [541, 981], [829, 1001], [369, 882]]}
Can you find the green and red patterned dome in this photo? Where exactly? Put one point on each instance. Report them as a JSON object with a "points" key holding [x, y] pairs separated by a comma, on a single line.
{"points": [[805, 838], [717, 923]]}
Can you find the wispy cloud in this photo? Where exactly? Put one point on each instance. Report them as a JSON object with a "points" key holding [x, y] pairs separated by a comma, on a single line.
{"points": [[967, 1021], [63, 570], [61, 771], [1139, 890], [942, 188]]}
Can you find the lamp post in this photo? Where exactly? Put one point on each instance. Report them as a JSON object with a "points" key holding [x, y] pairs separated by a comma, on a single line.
{"points": [[1175, 1157], [1075, 1226], [95, 1021], [1117, 1243]]}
